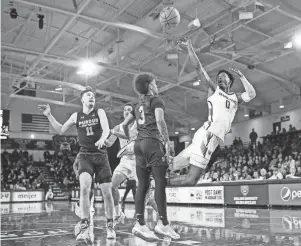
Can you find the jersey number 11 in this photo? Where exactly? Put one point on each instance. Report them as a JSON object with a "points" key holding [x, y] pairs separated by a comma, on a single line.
{"points": [[89, 131]]}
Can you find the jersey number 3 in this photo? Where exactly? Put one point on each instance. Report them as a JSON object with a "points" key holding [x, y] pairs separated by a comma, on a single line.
{"points": [[227, 104], [141, 120], [89, 131]]}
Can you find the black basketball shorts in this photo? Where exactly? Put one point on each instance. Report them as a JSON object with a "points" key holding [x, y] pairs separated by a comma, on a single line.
{"points": [[150, 153], [96, 163]]}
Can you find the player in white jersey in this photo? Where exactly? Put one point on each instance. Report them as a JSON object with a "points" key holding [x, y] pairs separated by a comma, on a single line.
{"points": [[222, 105], [127, 166]]}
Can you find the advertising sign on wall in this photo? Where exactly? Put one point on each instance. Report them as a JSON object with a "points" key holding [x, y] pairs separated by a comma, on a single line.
{"points": [[285, 194], [246, 194], [5, 196], [195, 195], [285, 223], [27, 196]]}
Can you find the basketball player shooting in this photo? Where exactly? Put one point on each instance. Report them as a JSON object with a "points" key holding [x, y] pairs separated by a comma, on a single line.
{"points": [[152, 152], [93, 129], [222, 105]]}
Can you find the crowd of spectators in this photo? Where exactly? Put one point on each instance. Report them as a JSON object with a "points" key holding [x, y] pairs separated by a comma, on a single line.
{"points": [[18, 171], [60, 166], [277, 157]]}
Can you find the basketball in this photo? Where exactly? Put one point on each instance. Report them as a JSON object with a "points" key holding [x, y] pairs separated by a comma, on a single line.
{"points": [[169, 17]]}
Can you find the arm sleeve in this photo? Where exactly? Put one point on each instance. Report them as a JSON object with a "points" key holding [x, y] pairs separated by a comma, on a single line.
{"points": [[157, 103]]}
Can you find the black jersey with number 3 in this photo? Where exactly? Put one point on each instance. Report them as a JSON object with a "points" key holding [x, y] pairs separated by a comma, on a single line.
{"points": [[89, 130], [145, 117]]}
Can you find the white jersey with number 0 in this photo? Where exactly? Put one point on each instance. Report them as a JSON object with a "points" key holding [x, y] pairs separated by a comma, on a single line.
{"points": [[222, 108]]}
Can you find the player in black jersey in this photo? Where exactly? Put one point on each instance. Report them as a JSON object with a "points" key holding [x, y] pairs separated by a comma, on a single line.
{"points": [[93, 129], [151, 152]]}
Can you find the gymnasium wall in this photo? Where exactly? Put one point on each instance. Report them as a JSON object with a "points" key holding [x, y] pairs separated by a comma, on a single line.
{"points": [[19, 106], [263, 125]]}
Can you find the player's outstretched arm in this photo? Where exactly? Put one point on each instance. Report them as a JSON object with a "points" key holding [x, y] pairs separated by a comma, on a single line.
{"points": [[199, 67], [58, 127], [126, 123], [250, 92]]}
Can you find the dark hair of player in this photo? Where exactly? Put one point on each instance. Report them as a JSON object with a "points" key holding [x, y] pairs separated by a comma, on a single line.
{"points": [[141, 82], [229, 75], [129, 104], [88, 88]]}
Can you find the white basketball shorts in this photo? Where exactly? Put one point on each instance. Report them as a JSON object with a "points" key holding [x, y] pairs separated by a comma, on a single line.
{"points": [[127, 167], [199, 152]]}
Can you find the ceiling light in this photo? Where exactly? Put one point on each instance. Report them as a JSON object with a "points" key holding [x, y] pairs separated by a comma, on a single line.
{"points": [[246, 114], [13, 13], [172, 56], [88, 68], [288, 45], [41, 21], [32, 136], [196, 83], [296, 40], [59, 88], [281, 104], [176, 133], [186, 142], [192, 129]]}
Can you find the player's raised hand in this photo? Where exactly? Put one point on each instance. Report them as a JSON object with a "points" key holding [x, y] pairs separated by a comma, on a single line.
{"points": [[236, 71], [100, 143], [45, 108]]}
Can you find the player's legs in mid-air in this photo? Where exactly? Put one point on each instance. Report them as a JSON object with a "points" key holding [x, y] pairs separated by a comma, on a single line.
{"points": [[197, 155], [150, 158]]}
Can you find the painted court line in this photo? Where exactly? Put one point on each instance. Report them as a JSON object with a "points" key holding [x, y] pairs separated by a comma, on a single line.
{"points": [[38, 236], [34, 229]]}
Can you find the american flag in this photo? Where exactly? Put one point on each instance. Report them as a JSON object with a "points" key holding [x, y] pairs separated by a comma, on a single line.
{"points": [[34, 123]]}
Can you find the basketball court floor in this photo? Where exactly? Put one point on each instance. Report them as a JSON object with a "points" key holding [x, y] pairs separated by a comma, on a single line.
{"points": [[37, 224]]}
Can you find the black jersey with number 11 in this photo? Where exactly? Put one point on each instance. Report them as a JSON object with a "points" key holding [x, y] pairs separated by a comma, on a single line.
{"points": [[89, 130], [145, 117]]}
